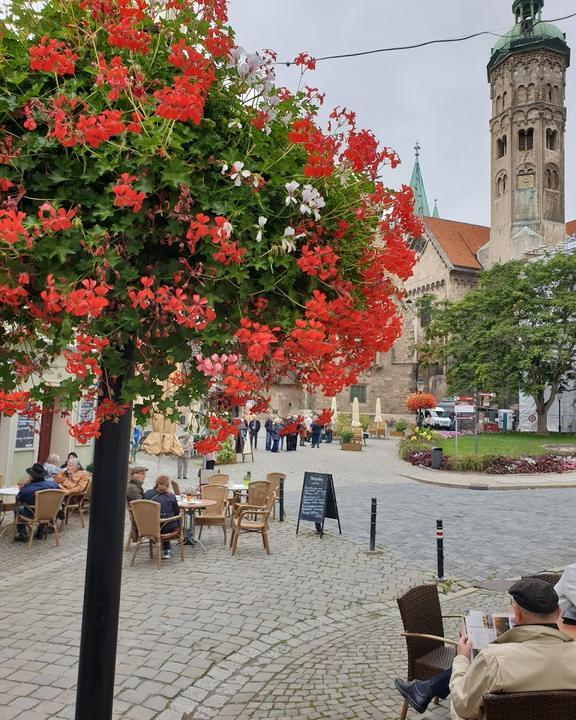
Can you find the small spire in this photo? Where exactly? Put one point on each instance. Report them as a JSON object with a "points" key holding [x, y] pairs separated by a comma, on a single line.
{"points": [[417, 185], [436, 214]]}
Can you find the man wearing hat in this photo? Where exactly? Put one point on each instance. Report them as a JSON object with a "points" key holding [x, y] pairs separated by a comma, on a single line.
{"points": [[533, 655], [135, 489], [26, 497]]}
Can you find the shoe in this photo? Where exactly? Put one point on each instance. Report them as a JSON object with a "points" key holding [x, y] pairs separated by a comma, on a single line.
{"points": [[410, 692], [167, 554], [21, 538]]}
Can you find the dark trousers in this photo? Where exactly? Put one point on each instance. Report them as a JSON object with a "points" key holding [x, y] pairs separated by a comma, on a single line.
{"points": [[316, 440], [268, 440], [438, 686], [275, 444], [254, 437]]}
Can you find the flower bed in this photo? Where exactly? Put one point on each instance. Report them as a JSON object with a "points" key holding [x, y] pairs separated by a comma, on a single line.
{"points": [[496, 464]]}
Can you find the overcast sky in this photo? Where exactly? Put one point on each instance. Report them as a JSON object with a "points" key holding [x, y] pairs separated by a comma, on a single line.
{"points": [[438, 95]]}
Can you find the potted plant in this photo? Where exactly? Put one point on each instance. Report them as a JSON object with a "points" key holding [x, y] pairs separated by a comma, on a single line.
{"points": [[399, 428], [227, 453], [347, 440]]}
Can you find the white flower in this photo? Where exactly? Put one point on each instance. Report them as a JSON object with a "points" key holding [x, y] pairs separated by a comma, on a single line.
{"points": [[235, 124], [288, 244], [261, 222], [239, 173], [224, 169], [312, 202], [291, 188]]}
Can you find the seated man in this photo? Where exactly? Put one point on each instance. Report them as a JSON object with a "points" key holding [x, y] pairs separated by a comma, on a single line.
{"points": [[25, 500], [169, 508], [566, 589], [533, 655], [73, 479], [135, 490]]}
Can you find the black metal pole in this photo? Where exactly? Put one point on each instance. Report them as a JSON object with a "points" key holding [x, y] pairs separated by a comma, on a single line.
{"points": [[281, 500], [97, 664], [440, 549], [373, 525]]}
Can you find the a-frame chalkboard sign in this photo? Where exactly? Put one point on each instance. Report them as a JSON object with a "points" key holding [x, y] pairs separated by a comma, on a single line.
{"points": [[318, 501]]}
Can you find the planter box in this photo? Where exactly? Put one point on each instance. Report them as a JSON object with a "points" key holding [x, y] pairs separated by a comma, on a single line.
{"points": [[352, 447]]}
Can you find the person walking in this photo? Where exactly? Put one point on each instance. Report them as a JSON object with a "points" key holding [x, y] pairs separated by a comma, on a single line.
{"points": [[136, 438]]}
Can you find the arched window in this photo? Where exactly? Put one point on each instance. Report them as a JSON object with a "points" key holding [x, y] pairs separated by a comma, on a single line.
{"points": [[552, 178], [504, 99], [548, 94], [551, 139], [556, 95], [531, 92], [502, 146], [499, 104], [504, 183], [521, 93], [499, 186], [526, 139]]}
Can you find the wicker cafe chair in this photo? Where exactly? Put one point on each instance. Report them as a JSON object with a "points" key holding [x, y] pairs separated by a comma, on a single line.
{"points": [[75, 501], [540, 705], [146, 514], [274, 479], [219, 479], [175, 487], [214, 514], [424, 632], [47, 504], [251, 518]]}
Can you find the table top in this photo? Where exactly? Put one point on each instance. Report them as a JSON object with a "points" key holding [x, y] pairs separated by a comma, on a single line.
{"points": [[195, 504], [237, 487], [9, 491]]}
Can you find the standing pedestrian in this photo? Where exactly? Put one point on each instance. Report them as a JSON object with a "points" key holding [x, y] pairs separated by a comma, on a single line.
{"points": [[254, 427], [316, 430], [182, 461], [136, 437], [275, 434], [268, 427]]}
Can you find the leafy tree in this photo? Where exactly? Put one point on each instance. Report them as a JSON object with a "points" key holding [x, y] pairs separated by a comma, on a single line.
{"points": [[516, 331]]}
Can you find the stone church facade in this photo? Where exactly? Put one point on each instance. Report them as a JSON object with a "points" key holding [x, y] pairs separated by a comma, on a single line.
{"points": [[526, 72]]}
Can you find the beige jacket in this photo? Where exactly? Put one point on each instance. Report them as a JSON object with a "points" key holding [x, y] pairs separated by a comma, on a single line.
{"points": [[528, 657]]}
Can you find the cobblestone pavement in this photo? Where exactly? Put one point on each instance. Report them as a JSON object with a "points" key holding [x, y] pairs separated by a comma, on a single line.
{"points": [[487, 533], [312, 631]]}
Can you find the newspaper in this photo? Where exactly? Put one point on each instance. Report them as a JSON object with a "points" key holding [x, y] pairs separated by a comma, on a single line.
{"points": [[483, 627]]}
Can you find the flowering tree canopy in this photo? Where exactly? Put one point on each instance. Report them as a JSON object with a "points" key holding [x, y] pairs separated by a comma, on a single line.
{"points": [[159, 191], [420, 401]]}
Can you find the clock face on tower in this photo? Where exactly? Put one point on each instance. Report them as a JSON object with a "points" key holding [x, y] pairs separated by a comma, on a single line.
{"points": [[526, 181]]}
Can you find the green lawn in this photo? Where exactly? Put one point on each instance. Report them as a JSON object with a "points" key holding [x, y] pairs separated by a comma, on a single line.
{"points": [[506, 444]]}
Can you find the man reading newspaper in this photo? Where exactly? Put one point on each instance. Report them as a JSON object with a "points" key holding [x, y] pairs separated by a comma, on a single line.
{"points": [[532, 655]]}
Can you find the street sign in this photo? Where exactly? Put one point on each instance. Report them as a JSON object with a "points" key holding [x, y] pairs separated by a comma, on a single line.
{"points": [[464, 405]]}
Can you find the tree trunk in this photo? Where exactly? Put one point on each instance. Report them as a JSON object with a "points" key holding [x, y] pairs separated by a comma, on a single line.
{"points": [[542, 407], [97, 665]]}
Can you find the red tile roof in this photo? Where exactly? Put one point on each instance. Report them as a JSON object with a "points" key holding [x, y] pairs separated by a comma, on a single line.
{"points": [[571, 228], [460, 241]]}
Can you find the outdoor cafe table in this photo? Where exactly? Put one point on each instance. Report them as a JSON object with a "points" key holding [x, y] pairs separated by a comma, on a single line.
{"points": [[190, 507], [7, 492]]}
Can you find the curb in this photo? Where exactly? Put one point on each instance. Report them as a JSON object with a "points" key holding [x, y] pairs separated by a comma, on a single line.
{"points": [[487, 486]]}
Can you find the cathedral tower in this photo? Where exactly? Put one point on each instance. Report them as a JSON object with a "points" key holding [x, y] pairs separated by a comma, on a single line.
{"points": [[527, 72]]}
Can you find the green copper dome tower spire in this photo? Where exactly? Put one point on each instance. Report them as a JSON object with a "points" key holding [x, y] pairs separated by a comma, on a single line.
{"points": [[417, 185]]}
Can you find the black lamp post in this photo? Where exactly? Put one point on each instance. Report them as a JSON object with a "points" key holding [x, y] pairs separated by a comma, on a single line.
{"points": [[419, 389]]}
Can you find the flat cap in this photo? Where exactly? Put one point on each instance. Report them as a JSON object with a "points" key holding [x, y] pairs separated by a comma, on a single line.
{"points": [[534, 595], [137, 469]]}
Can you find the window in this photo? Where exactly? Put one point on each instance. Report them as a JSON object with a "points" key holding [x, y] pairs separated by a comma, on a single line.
{"points": [[504, 99], [526, 180], [501, 185], [502, 146], [358, 391], [552, 178], [526, 139], [521, 94], [551, 139], [549, 93]]}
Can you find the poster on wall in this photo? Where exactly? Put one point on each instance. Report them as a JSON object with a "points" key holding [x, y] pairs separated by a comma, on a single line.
{"points": [[86, 413], [25, 433]]}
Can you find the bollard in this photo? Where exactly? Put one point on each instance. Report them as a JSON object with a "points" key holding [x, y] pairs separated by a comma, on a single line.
{"points": [[373, 526], [440, 550], [281, 500]]}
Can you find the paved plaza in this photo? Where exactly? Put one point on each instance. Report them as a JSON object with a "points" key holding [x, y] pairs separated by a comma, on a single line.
{"points": [[312, 631]]}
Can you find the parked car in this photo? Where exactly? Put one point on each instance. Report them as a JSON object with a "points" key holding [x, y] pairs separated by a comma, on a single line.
{"points": [[437, 418]]}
